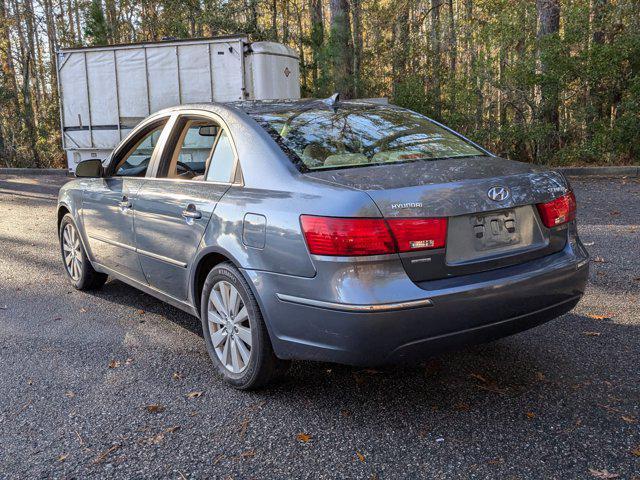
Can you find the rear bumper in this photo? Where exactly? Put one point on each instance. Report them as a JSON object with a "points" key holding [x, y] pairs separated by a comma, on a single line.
{"points": [[433, 316]]}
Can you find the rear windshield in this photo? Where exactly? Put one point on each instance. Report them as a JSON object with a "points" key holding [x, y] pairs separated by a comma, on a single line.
{"points": [[324, 138]]}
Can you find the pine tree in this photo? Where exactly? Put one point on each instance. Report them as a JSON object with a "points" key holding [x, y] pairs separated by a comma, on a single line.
{"points": [[96, 29]]}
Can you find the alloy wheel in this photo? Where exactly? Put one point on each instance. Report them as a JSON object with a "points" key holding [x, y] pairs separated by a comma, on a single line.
{"points": [[72, 251], [229, 326]]}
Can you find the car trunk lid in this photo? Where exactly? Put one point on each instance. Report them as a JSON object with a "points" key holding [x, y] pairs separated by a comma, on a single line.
{"points": [[483, 233]]}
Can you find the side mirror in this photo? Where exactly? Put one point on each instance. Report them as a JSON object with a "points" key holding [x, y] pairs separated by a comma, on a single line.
{"points": [[90, 168]]}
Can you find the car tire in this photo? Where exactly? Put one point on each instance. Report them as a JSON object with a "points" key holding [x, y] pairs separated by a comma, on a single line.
{"points": [[74, 257], [231, 319]]}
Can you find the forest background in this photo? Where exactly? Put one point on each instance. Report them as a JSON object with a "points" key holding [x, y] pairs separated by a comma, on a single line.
{"points": [[547, 81]]}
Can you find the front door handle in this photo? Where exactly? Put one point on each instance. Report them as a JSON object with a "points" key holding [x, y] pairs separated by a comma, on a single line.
{"points": [[191, 212]]}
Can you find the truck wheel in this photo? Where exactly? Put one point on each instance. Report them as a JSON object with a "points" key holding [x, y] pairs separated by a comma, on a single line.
{"points": [[76, 263], [234, 330]]}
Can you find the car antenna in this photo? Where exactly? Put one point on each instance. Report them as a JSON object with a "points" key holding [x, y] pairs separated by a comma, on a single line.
{"points": [[333, 100]]}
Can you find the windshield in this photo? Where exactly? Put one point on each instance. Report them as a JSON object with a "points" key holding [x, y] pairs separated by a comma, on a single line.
{"points": [[325, 138]]}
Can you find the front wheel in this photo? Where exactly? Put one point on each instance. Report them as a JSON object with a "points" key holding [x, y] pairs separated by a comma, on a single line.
{"points": [[234, 330], [81, 273]]}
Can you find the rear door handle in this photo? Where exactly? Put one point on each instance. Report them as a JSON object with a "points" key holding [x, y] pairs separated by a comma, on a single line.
{"points": [[191, 212]]}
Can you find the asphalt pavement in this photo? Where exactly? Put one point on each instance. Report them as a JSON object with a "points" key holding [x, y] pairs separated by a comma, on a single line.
{"points": [[116, 384]]}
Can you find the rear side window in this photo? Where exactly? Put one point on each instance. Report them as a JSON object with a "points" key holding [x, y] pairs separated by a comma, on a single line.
{"points": [[353, 136], [222, 164]]}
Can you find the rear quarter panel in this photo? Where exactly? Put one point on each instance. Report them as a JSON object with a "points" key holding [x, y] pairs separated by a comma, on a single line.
{"points": [[285, 251]]}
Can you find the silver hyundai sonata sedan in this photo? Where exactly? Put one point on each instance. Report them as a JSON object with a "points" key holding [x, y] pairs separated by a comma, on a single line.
{"points": [[347, 232]]}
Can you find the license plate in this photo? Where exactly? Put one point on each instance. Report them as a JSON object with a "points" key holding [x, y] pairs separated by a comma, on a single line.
{"points": [[495, 230]]}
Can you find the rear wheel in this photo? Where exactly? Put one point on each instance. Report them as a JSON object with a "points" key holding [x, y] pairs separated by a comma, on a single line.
{"points": [[235, 332], [81, 273]]}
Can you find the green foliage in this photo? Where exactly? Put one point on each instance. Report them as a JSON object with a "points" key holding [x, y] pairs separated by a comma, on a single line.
{"points": [[494, 79], [96, 29]]}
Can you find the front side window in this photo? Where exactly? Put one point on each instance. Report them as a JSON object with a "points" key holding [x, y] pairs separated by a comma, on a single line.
{"points": [[137, 160], [353, 136]]}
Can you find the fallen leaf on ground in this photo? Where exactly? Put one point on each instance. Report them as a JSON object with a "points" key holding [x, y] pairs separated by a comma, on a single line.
{"points": [[154, 408], [128, 361], [592, 334], [83, 310], [217, 459], [602, 473], [477, 376], [616, 212], [140, 312], [159, 437], [106, 453], [176, 376], [360, 457], [540, 376], [531, 415], [69, 394], [629, 419], [636, 451], [63, 457], [248, 453], [598, 317], [243, 427], [194, 394], [487, 384], [303, 437], [114, 364], [599, 260]]}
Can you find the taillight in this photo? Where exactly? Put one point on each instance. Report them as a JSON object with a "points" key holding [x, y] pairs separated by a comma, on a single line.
{"points": [[347, 236], [372, 236], [413, 234], [558, 211]]}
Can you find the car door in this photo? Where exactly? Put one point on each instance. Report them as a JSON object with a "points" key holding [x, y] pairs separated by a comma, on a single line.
{"points": [[175, 205], [109, 203]]}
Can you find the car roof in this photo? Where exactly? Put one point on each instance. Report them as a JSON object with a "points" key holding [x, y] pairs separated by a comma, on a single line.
{"points": [[274, 106]]}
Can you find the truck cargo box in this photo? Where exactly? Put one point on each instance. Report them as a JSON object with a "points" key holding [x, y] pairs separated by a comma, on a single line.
{"points": [[106, 91]]}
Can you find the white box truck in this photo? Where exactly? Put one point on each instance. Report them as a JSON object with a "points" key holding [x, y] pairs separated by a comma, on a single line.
{"points": [[106, 91]]}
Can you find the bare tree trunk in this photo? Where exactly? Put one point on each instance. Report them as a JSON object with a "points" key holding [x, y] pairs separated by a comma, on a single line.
{"points": [[274, 20], [548, 12], [30, 41], [317, 43], [72, 30], [285, 21], [112, 21], [453, 55], [502, 100], [400, 45], [8, 77], [594, 101], [341, 48], [76, 12], [29, 116], [52, 36], [356, 12], [303, 63], [436, 64]]}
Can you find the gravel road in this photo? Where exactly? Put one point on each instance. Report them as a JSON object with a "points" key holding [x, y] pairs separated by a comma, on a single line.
{"points": [[102, 384]]}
